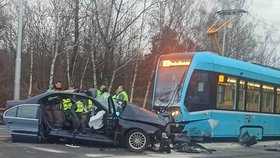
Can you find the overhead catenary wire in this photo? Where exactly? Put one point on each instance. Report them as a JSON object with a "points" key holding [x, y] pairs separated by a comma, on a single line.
{"points": [[261, 21]]}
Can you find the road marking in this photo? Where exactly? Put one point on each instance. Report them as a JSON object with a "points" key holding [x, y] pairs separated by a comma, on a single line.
{"points": [[72, 146], [236, 145], [99, 155], [48, 150], [159, 155]]}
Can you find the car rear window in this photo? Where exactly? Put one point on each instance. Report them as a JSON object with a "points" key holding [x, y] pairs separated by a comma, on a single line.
{"points": [[11, 112], [27, 111]]}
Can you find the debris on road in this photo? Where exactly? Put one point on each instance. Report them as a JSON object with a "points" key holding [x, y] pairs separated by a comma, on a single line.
{"points": [[247, 140], [191, 147], [165, 144], [272, 149], [184, 144]]}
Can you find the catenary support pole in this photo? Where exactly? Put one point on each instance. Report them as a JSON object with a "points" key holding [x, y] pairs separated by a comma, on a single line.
{"points": [[18, 57]]}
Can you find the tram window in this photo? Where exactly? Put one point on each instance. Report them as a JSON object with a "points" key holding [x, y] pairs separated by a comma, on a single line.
{"points": [[197, 97], [241, 97], [277, 109], [267, 99], [253, 97], [226, 93]]}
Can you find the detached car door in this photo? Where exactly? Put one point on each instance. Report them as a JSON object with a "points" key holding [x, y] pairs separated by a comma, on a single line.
{"points": [[23, 122]]}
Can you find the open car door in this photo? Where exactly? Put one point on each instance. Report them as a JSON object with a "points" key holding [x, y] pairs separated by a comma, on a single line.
{"points": [[23, 122], [111, 120]]}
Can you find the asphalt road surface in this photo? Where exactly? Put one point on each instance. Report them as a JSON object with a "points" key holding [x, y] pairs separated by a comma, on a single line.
{"points": [[52, 150]]}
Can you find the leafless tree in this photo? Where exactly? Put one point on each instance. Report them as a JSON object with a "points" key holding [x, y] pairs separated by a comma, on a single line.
{"points": [[85, 43]]}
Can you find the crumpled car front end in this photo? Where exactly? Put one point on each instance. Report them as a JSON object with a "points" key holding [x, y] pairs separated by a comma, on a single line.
{"points": [[136, 117]]}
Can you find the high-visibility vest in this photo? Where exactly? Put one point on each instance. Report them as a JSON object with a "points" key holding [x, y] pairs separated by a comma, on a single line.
{"points": [[114, 96], [80, 106], [105, 95], [66, 104], [98, 93], [125, 96], [89, 105]]}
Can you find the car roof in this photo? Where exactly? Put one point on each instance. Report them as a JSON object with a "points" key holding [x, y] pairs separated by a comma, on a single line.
{"points": [[36, 98]]}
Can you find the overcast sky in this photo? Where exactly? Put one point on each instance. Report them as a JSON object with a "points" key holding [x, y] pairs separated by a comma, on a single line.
{"points": [[266, 10]]}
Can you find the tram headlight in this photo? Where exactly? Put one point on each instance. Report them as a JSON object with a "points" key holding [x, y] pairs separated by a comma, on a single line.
{"points": [[175, 113]]}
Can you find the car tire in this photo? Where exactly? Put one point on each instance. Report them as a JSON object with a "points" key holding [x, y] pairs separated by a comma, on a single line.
{"points": [[137, 140]]}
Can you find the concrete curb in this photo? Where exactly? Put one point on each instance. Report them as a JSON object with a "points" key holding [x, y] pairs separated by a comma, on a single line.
{"points": [[236, 145]]}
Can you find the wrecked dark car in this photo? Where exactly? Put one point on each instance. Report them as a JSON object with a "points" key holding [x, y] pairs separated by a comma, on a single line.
{"points": [[43, 117]]}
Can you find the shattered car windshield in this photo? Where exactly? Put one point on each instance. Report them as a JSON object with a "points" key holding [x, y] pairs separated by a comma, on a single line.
{"points": [[118, 104]]}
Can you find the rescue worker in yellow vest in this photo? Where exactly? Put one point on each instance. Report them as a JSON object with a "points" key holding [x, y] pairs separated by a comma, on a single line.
{"points": [[80, 109], [114, 96], [103, 97], [67, 104], [89, 110], [105, 94], [121, 94], [88, 106], [100, 90], [82, 105]]}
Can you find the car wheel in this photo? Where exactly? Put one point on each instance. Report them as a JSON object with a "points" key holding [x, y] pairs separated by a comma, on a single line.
{"points": [[137, 140]]}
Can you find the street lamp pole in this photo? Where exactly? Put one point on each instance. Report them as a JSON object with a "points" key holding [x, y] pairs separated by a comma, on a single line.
{"points": [[18, 57]]}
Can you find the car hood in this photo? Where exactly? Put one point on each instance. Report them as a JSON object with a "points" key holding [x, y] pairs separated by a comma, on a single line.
{"points": [[135, 113]]}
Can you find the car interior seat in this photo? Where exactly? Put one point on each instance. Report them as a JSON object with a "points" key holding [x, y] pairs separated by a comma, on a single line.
{"points": [[59, 116], [49, 114], [52, 117], [58, 113]]}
